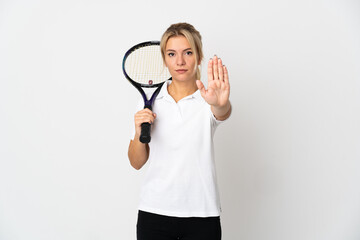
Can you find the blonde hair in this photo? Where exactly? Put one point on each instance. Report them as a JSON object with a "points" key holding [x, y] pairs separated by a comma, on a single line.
{"points": [[191, 34]]}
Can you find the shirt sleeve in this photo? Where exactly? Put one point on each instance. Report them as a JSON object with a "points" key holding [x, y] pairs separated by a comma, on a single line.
{"points": [[213, 118], [215, 122]]}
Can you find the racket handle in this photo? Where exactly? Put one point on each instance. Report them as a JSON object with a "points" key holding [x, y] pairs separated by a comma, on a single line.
{"points": [[145, 132]]}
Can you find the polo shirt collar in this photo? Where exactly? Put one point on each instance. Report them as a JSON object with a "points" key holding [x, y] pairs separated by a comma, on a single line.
{"points": [[163, 91], [165, 94]]}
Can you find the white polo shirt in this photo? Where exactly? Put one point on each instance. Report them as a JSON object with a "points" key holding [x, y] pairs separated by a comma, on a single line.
{"points": [[181, 176]]}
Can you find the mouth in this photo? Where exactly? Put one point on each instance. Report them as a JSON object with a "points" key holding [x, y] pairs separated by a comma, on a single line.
{"points": [[181, 71]]}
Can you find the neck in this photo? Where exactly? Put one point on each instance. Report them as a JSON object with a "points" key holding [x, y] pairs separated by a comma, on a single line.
{"points": [[178, 90]]}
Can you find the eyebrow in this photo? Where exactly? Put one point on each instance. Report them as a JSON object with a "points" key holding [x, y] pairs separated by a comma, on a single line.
{"points": [[172, 50]]}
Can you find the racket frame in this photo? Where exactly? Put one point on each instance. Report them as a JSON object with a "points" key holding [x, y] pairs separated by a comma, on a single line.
{"points": [[145, 127]]}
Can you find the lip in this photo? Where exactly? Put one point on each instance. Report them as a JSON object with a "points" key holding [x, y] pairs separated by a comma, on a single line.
{"points": [[181, 70]]}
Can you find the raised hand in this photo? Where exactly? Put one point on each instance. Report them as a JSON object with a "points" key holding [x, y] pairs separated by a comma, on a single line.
{"points": [[218, 90]]}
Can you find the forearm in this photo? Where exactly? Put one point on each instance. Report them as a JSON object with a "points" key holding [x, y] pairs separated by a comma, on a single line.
{"points": [[222, 112], [138, 153]]}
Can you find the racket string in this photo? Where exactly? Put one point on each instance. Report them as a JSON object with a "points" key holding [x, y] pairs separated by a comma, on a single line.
{"points": [[145, 66]]}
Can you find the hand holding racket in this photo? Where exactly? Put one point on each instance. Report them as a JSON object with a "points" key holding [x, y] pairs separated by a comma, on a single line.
{"points": [[144, 68], [143, 116]]}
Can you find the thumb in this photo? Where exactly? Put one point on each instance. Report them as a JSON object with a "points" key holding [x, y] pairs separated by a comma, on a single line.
{"points": [[201, 87]]}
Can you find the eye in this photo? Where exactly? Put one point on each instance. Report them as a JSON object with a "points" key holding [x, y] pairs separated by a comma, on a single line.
{"points": [[189, 53], [171, 54]]}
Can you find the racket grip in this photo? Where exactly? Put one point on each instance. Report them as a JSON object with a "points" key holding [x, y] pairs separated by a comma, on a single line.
{"points": [[145, 132]]}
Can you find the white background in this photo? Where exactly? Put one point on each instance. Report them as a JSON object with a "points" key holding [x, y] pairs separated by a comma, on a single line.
{"points": [[288, 160]]}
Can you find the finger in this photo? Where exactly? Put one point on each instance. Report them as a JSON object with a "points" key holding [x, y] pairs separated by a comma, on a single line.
{"points": [[215, 67], [142, 114], [226, 76], [201, 87], [210, 70], [144, 117], [146, 110], [148, 119], [221, 70]]}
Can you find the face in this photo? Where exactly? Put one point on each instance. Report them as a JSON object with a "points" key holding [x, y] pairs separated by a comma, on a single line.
{"points": [[180, 59]]}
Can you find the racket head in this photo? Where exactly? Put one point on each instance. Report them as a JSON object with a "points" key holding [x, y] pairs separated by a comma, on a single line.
{"points": [[143, 65]]}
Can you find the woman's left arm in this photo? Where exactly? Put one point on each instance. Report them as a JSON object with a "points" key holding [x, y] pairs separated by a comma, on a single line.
{"points": [[218, 91]]}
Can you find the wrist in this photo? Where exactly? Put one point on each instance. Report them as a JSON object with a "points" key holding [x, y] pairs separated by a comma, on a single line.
{"points": [[223, 107], [221, 112]]}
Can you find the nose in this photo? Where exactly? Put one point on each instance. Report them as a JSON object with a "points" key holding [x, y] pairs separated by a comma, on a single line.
{"points": [[180, 61]]}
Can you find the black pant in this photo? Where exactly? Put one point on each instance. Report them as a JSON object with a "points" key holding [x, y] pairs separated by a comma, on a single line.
{"points": [[158, 227]]}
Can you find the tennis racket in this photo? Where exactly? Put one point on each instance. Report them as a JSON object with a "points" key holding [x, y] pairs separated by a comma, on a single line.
{"points": [[144, 68]]}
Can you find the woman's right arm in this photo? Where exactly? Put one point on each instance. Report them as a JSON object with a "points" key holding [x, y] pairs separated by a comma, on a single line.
{"points": [[138, 152]]}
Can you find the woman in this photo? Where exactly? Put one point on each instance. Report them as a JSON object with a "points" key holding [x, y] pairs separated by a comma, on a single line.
{"points": [[179, 198]]}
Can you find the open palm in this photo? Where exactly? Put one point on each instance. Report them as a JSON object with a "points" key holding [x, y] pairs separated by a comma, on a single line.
{"points": [[218, 90]]}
